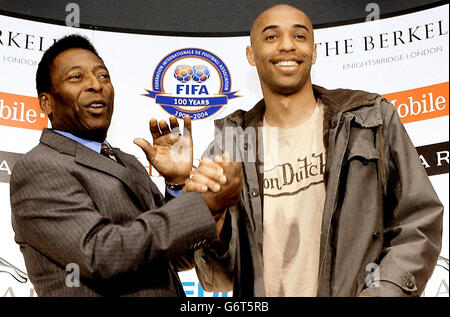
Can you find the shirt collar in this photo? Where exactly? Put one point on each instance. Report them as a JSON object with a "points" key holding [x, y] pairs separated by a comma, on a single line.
{"points": [[93, 145]]}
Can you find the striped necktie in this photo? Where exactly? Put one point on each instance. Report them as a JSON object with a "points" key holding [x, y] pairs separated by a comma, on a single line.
{"points": [[106, 150]]}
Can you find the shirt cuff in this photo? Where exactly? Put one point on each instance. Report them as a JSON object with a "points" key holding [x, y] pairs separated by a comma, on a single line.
{"points": [[175, 193]]}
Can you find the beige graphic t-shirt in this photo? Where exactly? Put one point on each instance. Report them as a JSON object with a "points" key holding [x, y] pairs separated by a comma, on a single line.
{"points": [[294, 195]]}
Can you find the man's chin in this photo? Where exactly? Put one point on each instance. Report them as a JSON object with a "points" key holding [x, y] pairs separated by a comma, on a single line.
{"points": [[287, 90], [95, 133]]}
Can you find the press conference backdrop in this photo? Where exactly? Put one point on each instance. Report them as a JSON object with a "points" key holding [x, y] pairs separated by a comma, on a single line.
{"points": [[404, 58]]}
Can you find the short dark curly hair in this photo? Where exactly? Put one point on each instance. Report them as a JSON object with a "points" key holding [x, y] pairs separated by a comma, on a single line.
{"points": [[43, 80]]}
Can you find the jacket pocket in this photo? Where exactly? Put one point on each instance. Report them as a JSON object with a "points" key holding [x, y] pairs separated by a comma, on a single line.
{"points": [[361, 146]]}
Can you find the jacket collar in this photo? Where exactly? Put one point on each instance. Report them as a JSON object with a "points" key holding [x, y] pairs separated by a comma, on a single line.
{"points": [[59, 142], [335, 101], [346, 100], [89, 158]]}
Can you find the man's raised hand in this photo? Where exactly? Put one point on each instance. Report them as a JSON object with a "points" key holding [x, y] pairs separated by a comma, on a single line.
{"points": [[171, 153]]}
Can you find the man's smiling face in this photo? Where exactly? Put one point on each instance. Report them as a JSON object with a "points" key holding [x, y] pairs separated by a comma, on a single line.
{"points": [[282, 49], [81, 98]]}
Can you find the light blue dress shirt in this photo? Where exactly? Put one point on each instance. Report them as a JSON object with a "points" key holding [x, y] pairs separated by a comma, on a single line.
{"points": [[93, 145]]}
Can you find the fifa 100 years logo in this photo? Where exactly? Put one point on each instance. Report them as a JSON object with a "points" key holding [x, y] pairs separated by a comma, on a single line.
{"points": [[191, 81]]}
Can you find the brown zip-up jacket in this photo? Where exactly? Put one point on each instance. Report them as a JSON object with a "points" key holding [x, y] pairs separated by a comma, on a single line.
{"points": [[382, 220]]}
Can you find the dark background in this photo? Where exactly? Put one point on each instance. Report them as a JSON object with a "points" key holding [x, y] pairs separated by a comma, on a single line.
{"points": [[198, 17]]}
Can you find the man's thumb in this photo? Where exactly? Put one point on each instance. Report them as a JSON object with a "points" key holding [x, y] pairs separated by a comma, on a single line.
{"points": [[146, 147]]}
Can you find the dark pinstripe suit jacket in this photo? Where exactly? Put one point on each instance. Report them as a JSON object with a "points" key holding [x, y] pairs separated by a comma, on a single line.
{"points": [[72, 205]]}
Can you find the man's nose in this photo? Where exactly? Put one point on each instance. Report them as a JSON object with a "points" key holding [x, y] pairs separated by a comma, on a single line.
{"points": [[93, 83], [286, 44]]}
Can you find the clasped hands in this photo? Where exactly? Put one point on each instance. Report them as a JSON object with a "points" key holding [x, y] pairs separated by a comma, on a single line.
{"points": [[219, 181]]}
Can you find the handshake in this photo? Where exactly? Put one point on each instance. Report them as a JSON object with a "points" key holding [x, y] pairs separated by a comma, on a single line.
{"points": [[219, 181]]}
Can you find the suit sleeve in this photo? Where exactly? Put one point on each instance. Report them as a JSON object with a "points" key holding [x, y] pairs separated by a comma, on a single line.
{"points": [[54, 214], [413, 217]]}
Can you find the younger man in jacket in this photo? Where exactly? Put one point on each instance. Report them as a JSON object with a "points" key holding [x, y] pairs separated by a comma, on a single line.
{"points": [[340, 205]]}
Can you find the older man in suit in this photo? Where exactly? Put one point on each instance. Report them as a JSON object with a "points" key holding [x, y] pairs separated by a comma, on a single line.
{"points": [[73, 207]]}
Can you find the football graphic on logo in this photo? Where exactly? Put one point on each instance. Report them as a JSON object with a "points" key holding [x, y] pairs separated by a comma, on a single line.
{"points": [[183, 73]]}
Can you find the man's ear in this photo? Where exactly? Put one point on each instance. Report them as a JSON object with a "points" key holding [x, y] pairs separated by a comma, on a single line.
{"points": [[314, 54], [250, 58], [46, 103]]}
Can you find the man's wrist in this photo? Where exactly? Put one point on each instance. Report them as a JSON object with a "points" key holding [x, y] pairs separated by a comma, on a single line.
{"points": [[176, 183], [175, 187]]}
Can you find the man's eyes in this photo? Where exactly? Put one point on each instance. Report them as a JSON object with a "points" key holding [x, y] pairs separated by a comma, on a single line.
{"points": [[78, 76], [274, 37], [74, 76], [271, 37]]}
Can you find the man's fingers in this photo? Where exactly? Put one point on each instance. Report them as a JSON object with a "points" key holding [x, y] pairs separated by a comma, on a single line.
{"points": [[194, 187], [226, 157], [223, 160], [201, 179], [146, 147], [174, 127], [187, 130], [161, 128], [212, 172], [208, 163], [164, 127], [168, 139], [154, 130]]}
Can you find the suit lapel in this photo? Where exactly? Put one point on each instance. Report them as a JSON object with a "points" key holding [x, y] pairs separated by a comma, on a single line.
{"points": [[91, 159], [151, 193]]}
